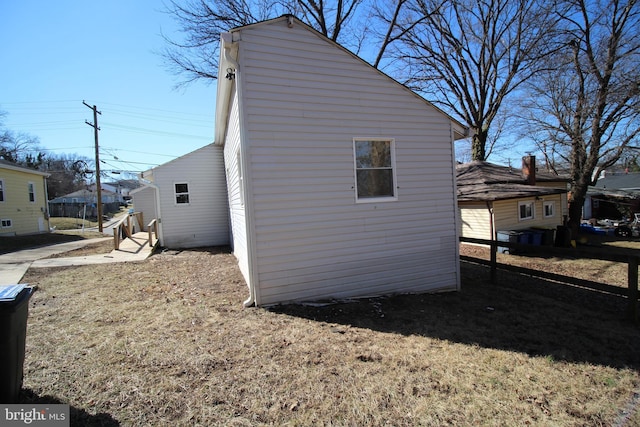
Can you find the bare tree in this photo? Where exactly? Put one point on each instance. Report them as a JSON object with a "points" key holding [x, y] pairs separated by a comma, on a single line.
{"points": [[469, 55], [19, 148], [194, 54], [585, 110], [69, 173]]}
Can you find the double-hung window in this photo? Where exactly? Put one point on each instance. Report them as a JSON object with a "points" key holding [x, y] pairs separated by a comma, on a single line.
{"points": [[375, 169], [32, 192], [182, 193], [526, 210], [549, 209]]}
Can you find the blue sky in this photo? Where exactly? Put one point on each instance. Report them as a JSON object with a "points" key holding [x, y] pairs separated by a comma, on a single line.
{"points": [[55, 54]]}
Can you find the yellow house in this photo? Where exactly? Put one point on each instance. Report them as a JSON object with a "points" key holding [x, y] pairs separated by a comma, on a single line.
{"points": [[23, 200], [496, 202]]}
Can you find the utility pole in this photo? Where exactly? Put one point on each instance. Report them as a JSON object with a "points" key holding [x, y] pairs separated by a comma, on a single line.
{"points": [[95, 127]]}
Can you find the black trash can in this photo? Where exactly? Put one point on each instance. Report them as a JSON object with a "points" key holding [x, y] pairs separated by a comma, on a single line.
{"points": [[508, 236], [14, 309], [563, 236]]}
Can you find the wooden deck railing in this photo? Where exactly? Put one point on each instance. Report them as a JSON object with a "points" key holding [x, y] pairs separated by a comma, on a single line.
{"points": [[152, 228], [631, 257], [126, 228]]}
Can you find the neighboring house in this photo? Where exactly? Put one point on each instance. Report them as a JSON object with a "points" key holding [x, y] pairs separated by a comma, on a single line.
{"points": [[188, 197], [88, 196], [121, 188], [341, 181], [83, 203], [23, 200], [614, 196], [496, 199]]}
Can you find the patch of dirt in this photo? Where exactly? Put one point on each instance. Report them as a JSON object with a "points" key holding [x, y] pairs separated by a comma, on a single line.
{"points": [[103, 247]]}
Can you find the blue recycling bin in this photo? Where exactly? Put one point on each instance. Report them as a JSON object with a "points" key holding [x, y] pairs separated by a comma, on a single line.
{"points": [[14, 309], [535, 236]]}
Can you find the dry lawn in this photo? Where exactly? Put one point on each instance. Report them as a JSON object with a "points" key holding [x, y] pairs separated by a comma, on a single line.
{"points": [[166, 342]]}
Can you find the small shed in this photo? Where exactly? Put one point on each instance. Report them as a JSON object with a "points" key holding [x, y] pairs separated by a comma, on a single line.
{"points": [[188, 198], [341, 181], [494, 198]]}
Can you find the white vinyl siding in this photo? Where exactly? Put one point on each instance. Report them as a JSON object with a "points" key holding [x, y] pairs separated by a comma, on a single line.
{"points": [[144, 200], [305, 100], [204, 220], [235, 188]]}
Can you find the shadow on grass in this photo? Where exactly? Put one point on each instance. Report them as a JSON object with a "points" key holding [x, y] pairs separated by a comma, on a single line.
{"points": [[16, 243], [520, 313], [78, 417]]}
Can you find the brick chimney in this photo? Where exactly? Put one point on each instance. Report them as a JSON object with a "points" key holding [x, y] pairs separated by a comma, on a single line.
{"points": [[529, 169]]}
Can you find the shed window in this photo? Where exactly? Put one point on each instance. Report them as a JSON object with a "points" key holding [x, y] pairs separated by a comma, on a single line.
{"points": [[1, 190], [525, 210], [549, 209], [32, 192], [6, 223], [182, 193], [375, 172]]}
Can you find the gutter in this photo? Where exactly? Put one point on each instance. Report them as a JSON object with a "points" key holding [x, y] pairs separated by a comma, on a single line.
{"points": [[225, 84]]}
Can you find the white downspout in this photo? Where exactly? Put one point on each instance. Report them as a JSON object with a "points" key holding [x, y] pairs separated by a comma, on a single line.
{"points": [[227, 43]]}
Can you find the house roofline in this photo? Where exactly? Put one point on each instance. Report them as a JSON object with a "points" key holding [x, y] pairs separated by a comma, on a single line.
{"points": [[7, 165], [228, 56]]}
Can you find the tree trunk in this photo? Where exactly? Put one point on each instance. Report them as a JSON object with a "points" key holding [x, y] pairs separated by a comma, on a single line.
{"points": [[479, 145], [576, 202]]}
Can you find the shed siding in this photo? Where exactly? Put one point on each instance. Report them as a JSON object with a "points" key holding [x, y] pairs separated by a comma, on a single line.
{"points": [[204, 220], [237, 211], [144, 200], [305, 101], [26, 217], [475, 221]]}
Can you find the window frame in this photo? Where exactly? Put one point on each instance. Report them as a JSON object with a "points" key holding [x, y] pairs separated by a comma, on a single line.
{"points": [[176, 194], [6, 223], [31, 192], [551, 204], [2, 198], [393, 167], [533, 210]]}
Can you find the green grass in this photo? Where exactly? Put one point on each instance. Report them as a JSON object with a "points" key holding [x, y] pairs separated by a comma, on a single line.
{"points": [[60, 223]]}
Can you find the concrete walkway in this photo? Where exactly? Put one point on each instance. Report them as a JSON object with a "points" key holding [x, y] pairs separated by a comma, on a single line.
{"points": [[14, 265]]}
